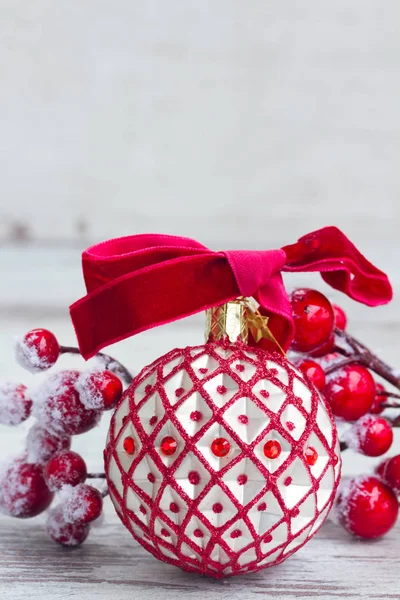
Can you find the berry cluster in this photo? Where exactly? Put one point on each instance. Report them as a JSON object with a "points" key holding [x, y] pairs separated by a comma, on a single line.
{"points": [[341, 368], [66, 404]]}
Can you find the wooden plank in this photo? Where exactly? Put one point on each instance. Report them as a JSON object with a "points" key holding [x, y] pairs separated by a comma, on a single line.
{"points": [[111, 565]]}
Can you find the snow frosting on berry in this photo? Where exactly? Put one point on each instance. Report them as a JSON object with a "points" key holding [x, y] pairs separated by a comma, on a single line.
{"points": [[57, 406], [81, 504], [23, 491], [66, 534], [88, 386], [15, 406], [41, 445], [37, 350]]}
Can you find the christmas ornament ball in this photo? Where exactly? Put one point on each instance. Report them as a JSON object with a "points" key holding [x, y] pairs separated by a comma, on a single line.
{"points": [[222, 459]]}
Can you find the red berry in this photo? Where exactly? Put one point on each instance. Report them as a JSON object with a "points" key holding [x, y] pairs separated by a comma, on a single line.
{"points": [[220, 447], [66, 534], [350, 392], [325, 349], [371, 436], [41, 445], [311, 456], [23, 491], [15, 405], [313, 319], [65, 468], [379, 399], [381, 468], [99, 390], [366, 507], [391, 473], [38, 350], [58, 408], [314, 371], [82, 504], [340, 317]]}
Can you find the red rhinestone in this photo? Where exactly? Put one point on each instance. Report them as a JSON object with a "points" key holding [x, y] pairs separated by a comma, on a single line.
{"points": [[168, 446], [173, 507], [147, 389], [264, 393], [151, 477], [217, 507], [243, 419], [179, 392], [194, 477], [239, 367], [311, 456], [129, 445], [196, 415], [242, 479], [153, 421], [203, 370], [220, 447], [142, 509], [268, 538], [221, 389], [236, 533], [272, 449], [262, 506], [198, 533], [287, 481], [291, 426]]}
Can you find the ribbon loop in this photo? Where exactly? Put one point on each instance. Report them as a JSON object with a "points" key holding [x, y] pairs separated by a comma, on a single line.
{"points": [[138, 282]]}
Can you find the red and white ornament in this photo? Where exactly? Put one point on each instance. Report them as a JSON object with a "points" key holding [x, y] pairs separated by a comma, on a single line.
{"points": [[221, 459]]}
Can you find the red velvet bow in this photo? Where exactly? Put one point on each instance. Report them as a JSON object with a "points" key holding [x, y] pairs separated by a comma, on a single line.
{"points": [[141, 281]]}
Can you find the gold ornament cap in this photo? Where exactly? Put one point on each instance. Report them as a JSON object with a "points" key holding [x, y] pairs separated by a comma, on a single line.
{"points": [[227, 321]]}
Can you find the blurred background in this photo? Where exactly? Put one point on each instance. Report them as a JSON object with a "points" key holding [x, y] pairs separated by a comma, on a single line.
{"points": [[242, 124]]}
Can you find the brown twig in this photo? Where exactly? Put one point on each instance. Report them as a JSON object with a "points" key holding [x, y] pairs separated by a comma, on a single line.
{"points": [[363, 355], [109, 362]]}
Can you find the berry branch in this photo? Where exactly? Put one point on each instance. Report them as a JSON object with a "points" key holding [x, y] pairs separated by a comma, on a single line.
{"points": [[109, 362]]}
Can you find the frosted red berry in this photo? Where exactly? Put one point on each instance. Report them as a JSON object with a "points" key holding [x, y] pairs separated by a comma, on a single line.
{"points": [[168, 446], [314, 371], [220, 447], [350, 391], [65, 468], [66, 534], [23, 491], [366, 507], [324, 349], [340, 317], [272, 449], [15, 403], [41, 445], [58, 408], [313, 319], [38, 350], [379, 399], [82, 504], [370, 435], [99, 390], [391, 473]]}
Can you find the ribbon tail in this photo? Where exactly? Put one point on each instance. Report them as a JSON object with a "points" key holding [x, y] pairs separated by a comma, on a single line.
{"points": [[341, 265]]}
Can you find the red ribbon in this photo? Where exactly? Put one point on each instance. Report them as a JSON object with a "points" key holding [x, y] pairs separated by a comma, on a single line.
{"points": [[141, 281]]}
